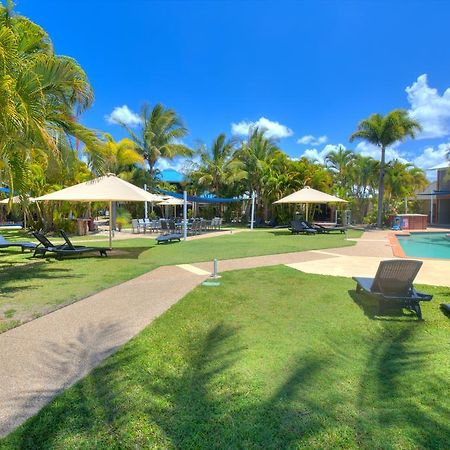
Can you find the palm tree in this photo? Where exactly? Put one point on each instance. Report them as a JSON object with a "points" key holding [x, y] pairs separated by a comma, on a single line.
{"points": [[254, 157], [160, 133], [340, 162], [383, 131], [114, 157], [403, 180], [216, 169], [40, 96], [364, 177]]}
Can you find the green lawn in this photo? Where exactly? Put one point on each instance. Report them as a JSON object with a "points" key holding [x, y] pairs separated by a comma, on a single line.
{"points": [[273, 358], [30, 287]]}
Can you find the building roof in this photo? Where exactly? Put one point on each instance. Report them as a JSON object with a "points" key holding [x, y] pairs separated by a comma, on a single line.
{"points": [[171, 176], [443, 165]]}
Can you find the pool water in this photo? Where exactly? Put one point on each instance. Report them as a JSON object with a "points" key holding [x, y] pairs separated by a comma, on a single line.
{"points": [[426, 245]]}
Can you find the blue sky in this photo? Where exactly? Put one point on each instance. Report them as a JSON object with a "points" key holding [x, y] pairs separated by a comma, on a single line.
{"points": [[307, 70]]}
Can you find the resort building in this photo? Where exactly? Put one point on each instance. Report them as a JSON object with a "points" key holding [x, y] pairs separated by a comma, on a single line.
{"points": [[437, 196]]}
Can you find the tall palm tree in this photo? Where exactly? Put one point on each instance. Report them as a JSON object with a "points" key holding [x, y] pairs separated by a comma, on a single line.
{"points": [[255, 156], [216, 169], [383, 131], [159, 135], [40, 95]]}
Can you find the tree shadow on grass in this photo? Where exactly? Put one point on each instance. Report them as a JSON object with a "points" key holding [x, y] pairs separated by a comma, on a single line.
{"points": [[370, 306], [396, 393], [205, 400], [36, 272], [128, 252]]}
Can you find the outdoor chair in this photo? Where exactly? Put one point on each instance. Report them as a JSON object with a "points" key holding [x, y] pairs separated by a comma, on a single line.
{"points": [[142, 224], [393, 285], [77, 249], [67, 249], [4, 243], [300, 227], [169, 233], [325, 230], [446, 308], [135, 225]]}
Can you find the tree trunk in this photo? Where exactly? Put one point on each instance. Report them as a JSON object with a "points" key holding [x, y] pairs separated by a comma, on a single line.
{"points": [[381, 188]]}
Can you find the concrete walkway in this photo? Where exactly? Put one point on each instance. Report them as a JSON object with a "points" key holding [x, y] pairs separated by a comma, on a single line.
{"points": [[41, 358], [360, 260]]}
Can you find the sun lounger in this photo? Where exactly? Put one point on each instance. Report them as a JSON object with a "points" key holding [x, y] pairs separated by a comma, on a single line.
{"points": [[77, 249], [393, 284], [322, 229], [169, 234], [4, 243], [67, 249], [300, 227], [165, 238], [446, 307]]}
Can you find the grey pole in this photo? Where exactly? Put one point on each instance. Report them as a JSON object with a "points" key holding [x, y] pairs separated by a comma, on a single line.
{"points": [[184, 215], [253, 211], [145, 204], [431, 209]]}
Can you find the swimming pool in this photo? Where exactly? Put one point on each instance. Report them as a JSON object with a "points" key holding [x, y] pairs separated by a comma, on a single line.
{"points": [[426, 245]]}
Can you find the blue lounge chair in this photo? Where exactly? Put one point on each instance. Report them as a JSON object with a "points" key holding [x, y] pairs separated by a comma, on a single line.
{"points": [[4, 243], [169, 233]]}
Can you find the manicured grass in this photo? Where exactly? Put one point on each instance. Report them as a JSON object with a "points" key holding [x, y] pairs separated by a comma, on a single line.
{"points": [[273, 358], [33, 286]]}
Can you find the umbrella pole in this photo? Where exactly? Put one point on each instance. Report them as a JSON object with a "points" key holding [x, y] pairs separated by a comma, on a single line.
{"points": [[110, 225]]}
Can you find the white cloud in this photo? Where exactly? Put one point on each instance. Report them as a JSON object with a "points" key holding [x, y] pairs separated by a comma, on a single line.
{"points": [[309, 139], [274, 130], [313, 154], [429, 108], [180, 164], [123, 114], [431, 156]]}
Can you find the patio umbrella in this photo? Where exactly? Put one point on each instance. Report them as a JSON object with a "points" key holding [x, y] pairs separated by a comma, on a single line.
{"points": [[108, 188], [15, 199], [309, 195], [172, 201]]}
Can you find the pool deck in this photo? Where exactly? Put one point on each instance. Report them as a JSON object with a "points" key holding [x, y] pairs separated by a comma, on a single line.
{"points": [[360, 260]]}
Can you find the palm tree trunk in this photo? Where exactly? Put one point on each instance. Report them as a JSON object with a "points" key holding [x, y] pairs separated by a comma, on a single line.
{"points": [[381, 188]]}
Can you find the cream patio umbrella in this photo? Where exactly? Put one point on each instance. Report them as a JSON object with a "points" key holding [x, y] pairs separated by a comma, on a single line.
{"points": [[108, 188], [309, 195], [15, 199], [173, 201]]}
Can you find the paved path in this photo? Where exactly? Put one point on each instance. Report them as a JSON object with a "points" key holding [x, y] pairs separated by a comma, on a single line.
{"points": [[360, 260], [41, 358]]}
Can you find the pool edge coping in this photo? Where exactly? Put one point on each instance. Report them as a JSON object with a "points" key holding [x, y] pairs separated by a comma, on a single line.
{"points": [[398, 251]]}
